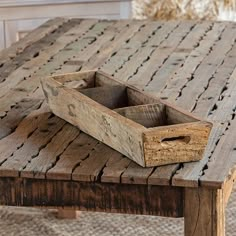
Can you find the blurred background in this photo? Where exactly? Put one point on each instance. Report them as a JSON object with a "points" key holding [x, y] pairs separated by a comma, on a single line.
{"points": [[18, 17], [185, 9]]}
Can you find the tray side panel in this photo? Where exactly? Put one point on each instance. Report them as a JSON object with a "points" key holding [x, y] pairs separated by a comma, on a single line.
{"points": [[175, 143]]}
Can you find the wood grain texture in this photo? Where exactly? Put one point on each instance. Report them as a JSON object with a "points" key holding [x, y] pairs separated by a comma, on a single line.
{"points": [[192, 64], [149, 115], [33, 36], [164, 144], [116, 198], [175, 143], [92, 117], [204, 212]]}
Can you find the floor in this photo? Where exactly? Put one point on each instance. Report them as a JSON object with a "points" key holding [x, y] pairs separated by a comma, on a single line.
{"points": [[30, 221]]}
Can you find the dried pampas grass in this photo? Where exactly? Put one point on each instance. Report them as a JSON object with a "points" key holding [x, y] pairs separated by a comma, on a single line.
{"points": [[185, 9]]}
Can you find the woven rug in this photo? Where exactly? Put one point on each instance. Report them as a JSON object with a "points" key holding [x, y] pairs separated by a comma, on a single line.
{"points": [[22, 221]]}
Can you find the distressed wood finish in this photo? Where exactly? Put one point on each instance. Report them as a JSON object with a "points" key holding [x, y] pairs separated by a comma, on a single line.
{"points": [[204, 212], [151, 134], [191, 64], [114, 198], [64, 42]]}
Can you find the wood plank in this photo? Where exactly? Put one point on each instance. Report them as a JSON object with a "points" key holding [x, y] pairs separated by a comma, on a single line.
{"points": [[74, 154], [143, 54], [47, 157], [87, 196], [225, 106], [12, 142], [177, 116], [207, 69], [185, 73], [162, 175], [31, 147], [221, 168], [190, 174], [18, 112], [91, 168], [115, 62], [33, 50], [114, 169], [31, 66], [28, 85], [30, 38], [150, 67], [107, 50], [135, 174], [227, 189], [216, 87], [177, 58], [204, 212]]}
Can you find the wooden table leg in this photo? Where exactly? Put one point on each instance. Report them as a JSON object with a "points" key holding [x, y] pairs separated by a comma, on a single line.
{"points": [[204, 212], [67, 214]]}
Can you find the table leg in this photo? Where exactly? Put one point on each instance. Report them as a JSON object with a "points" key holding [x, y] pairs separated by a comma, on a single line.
{"points": [[204, 212], [67, 214]]}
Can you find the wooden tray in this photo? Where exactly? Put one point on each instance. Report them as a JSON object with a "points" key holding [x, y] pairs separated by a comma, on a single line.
{"points": [[146, 129]]}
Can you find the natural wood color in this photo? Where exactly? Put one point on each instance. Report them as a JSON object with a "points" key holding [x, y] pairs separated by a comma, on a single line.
{"points": [[204, 212], [149, 115], [128, 132], [162, 175], [114, 64], [175, 85], [139, 98], [190, 64], [32, 37], [97, 118], [222, 165], [40, 164], [176, 143], [109, 96], [31, 147], [17, 114], [75, 153], [163, 51], [86, 196], [114, 169], [67, 214], [227, 189], [84, 80], [90, 169], [176, 59], [177, 116], [135, 174]]}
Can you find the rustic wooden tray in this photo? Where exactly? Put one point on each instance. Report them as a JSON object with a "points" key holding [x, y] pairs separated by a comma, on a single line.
{"points": [[146, 129]]}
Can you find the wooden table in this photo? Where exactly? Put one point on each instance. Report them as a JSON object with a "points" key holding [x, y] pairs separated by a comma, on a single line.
{"points": [[47, 162]]}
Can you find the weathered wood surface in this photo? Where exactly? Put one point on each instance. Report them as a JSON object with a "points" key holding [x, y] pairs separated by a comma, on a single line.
{"points": [[204, 212], [109, 197], [151, 134], [189, 63]]}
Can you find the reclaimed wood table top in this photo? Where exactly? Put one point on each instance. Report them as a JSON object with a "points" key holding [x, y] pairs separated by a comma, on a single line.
{"points": [[191, 64]]}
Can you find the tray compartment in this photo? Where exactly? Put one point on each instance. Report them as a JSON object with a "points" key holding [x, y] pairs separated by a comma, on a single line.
{"points": [[150, 115]]}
